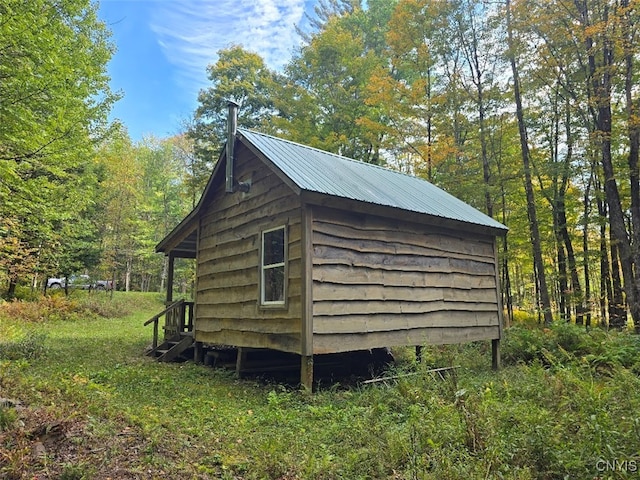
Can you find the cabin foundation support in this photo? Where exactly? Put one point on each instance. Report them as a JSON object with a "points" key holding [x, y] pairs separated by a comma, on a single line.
{"points": [[495, 354], [241, 360], [306, 372], [198, 353]]}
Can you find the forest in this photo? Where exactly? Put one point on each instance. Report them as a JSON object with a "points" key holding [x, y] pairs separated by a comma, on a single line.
{"points": [[527, 110]]}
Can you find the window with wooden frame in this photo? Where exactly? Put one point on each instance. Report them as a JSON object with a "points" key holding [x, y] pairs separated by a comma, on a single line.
{"points": [[273, 267]]}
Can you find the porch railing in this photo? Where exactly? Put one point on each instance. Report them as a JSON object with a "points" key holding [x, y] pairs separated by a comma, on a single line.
{"points": [[178, 320]]}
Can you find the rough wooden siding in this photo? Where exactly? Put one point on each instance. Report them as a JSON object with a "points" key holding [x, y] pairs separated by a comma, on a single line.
{"points": [[227, 294], [383, 282]]}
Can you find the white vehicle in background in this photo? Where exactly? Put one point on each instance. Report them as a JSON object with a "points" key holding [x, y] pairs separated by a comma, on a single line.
{"points": [[83, 282]]}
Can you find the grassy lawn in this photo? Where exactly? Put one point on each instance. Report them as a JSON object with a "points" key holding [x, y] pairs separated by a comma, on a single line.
{"points": [[81, 401]]}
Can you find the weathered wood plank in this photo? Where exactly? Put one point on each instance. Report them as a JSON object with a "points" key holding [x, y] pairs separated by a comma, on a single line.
{"points": [[422, 336], [248, 309], [388, 322], [398, 307], [240, 277], [408, 240], [227, 295], [266, 188], [396, 248], [269, 214], [338, 292], [350, 275], [250, 244], [369, 221], [239, 261], [329, 255], [283, 342], [256, 325], [233, 235], [232, 278], [343, 204], [263, 183]]}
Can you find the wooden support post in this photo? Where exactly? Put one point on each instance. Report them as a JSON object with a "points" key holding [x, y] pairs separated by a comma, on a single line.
{"points": [[495, 354], [306, 347], [306, 372], [419, 353], [198, 353], [155, 335], [170, 278], [241, 360], [495, 343]]}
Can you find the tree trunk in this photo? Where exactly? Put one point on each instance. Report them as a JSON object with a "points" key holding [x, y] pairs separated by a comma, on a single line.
{"points": [[577, 298], [506, 278], [563, 286], [165, 272], [585, 253], [617, 309], [545, 302], [11, 290], [606, 292], [600, 78], [127, 275], [633, 127]]}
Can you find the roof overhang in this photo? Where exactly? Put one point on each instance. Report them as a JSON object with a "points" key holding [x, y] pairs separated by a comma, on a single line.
{"points": [[181, 242]]}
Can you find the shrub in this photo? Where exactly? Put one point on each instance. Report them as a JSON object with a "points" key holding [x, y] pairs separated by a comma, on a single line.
{"points": [[565, 343], [55, 307], [523, 344], [28, 346], [522, 317], [8, 417], [78, 306]]}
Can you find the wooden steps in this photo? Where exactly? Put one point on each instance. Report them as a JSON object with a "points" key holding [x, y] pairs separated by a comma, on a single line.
{"points": [[173, 348]]}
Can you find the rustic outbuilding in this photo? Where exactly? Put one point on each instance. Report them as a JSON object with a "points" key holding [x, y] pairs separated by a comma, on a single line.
{"points": [[304, 251]]}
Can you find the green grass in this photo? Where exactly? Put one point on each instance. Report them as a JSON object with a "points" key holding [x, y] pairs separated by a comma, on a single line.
{"points": [[565, 402]]}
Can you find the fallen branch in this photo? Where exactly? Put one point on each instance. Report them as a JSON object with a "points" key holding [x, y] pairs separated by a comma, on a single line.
{"points": [[395, 377]]}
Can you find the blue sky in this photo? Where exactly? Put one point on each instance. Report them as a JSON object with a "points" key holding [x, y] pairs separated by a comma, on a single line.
{"points": [[164, 47]]}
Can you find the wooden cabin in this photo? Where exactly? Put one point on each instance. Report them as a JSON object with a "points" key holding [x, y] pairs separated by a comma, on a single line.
{"points": [[304, 251]]}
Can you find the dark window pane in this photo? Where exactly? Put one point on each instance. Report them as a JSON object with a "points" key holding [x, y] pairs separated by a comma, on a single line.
{"points": [[274, 247], [274, 284]]}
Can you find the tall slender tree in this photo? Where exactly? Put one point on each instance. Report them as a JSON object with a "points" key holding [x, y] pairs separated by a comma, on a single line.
{"points": [[526, 160]]}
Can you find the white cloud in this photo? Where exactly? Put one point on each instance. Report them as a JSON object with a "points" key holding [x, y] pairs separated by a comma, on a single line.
{"points": [[191, 32]]}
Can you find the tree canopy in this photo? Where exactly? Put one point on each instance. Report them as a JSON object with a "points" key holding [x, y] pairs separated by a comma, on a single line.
{"points": [[55, 100], [527, 110], [477, 97]]}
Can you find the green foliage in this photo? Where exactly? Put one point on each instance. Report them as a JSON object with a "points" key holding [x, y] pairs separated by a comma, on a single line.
{"points": [[26, 346], [8, 417], [565, 343], [72, 471], [146, 190], [238, 75], [550, 415], [323, 102], [55, 101]]}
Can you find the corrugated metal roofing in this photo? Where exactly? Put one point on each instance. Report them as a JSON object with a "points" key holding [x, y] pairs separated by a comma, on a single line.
{"points": [[323, 172]]}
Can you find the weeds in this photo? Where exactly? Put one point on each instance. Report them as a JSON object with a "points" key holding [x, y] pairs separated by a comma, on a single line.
{"points": [[566, 343], [565, 400], [8, 417], [25, 346]]}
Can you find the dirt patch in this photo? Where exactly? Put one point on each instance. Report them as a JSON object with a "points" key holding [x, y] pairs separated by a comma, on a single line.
{"points": [[38, 446]]}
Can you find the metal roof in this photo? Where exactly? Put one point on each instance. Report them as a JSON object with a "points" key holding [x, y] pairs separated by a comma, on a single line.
{"points": [[327, 173]]}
